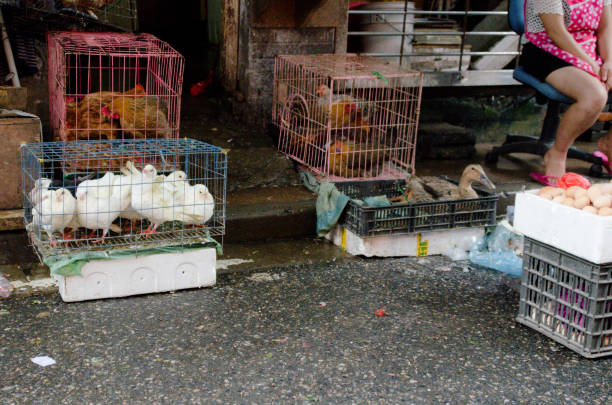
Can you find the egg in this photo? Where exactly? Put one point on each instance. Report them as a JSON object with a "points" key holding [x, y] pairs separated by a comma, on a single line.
{"points": [[605, 211], [559, 199], [552, 191], [606, 188], [581, 201], [590, 209], [575, 191], [568, 201], [548, 196], [602, 201], [595, 191]]}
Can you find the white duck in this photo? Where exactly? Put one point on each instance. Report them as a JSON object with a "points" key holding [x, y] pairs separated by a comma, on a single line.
{"points": [[54, 212], [129, 212], [152, 201], [199, 205], [41, 188], [99, 187], [176, 183], [99, 203]]}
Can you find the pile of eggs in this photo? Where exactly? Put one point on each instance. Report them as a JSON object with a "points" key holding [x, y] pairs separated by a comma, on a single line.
{"points": [[597, 199]]}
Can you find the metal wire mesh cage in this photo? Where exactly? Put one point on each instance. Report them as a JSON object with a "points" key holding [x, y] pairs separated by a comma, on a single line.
{"points": [[117, 13], [346, 116], [122, 194], [113, 86]]}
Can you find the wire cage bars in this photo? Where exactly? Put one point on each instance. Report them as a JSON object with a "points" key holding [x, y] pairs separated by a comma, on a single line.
{"points": [[122, 194], [347, 117], [122, 14], [113, 86]]}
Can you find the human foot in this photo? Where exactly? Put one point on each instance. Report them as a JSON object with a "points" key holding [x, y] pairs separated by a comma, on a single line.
{"points": [[555, 162], [550, 181], [604, 144]]}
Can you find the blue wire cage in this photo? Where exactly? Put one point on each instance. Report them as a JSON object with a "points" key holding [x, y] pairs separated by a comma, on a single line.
{"points": [[75, 194]]}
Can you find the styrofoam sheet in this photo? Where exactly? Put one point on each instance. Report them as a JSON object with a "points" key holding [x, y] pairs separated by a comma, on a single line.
{"points": [[574, 231], [418, 244], [140, 275]]}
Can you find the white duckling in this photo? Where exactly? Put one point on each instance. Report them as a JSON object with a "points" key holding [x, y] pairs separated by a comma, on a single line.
{"points": [[129, 212], [99, 188], [150, 202], [100, 204], [199, 205], [41, 188], [54, 212], [177, 184]]}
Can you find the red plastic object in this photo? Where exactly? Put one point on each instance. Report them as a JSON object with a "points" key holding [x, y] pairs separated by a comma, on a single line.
{"points": [[356, 4], [380, 312], [573, 179], [200, 87]]}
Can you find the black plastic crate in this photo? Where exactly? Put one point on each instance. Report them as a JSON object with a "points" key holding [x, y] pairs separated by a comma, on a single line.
{"points": [[410, 218], [567, 298]]}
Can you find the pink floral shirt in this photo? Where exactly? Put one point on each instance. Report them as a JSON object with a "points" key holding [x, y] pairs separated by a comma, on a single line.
{"points": [[581, 19]]}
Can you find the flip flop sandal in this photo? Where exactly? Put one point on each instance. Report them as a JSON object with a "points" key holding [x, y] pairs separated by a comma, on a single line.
{"points": [[605, 162], [544, 179]]}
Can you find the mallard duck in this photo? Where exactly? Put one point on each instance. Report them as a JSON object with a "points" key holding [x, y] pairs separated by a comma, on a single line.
{"points": [[472, 173], [431, 188], [414, 191]]}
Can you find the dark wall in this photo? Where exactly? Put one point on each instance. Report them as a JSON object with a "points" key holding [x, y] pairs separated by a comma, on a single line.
{"points": [[184, 28], [180, 25]]}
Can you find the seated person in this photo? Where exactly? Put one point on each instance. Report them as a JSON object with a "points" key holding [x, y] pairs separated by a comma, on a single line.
{"points": [[570, 47]]}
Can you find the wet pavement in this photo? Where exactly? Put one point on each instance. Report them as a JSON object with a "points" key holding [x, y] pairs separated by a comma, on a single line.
{"points": [[298, 334]]}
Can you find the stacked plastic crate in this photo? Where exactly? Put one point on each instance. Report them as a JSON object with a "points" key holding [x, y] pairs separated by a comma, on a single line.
{"points": [[119, 204], [566, 285], [353, 120]]}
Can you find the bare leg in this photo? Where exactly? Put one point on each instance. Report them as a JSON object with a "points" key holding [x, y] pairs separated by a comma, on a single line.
{"points": [[590, 95], [100, 239], [150, 230], [52, 241], [604, 144]]}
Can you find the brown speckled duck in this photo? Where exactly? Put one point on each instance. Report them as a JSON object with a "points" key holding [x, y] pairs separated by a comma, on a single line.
{"points": [[431, 188]]}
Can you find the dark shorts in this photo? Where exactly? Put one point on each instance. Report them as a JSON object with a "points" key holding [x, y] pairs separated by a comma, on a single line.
{"points": [[539, 63]]}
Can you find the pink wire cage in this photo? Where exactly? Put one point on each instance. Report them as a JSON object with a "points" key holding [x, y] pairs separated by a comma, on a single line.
{"points": [[347, 117], [113, 86]]}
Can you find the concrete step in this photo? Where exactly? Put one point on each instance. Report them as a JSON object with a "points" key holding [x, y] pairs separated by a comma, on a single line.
{"points": [[270, 213]]}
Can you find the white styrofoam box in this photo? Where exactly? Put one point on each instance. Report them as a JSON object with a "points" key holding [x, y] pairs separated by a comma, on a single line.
{"points": [[419, 244], [574, 231], [141, 275]]}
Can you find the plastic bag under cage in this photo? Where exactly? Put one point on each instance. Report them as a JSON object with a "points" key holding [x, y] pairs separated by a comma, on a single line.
{"points": [[122, 194]]}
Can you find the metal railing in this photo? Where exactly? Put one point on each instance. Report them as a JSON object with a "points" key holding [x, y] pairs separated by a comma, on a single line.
{"points": [[503, 75]]}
